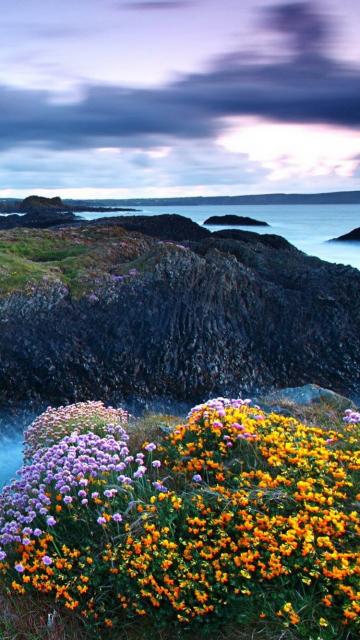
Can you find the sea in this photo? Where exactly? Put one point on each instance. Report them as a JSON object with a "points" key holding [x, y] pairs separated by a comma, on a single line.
{"points": [[10, 456], [308, 227]]}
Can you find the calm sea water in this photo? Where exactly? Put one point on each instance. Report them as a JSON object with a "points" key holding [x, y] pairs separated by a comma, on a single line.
{"points": [[308, 227], [10, 457]]}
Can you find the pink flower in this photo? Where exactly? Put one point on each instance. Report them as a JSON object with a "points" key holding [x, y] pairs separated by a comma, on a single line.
{"points": [[19, 568], [117, 517]]}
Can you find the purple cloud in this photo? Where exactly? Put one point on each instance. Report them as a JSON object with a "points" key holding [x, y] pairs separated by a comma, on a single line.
{"points": [[156, 6], [297, 88], [307, 29]]}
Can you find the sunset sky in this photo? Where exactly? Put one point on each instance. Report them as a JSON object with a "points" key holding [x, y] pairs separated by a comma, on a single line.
{"points": [[127, 98]]}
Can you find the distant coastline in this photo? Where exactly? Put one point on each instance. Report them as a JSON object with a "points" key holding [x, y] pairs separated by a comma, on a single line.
{"points": [[335, 197]]}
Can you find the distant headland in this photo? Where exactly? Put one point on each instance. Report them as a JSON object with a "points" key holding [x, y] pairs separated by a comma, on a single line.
{"points": [[335, 197]]}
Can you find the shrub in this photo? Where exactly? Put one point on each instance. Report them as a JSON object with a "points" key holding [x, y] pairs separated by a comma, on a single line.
{"points": [[236, 517]]}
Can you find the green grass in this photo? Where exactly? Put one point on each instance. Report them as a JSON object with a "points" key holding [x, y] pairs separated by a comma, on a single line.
{"points": [[77, 256], [17, 273], [42, 249]]}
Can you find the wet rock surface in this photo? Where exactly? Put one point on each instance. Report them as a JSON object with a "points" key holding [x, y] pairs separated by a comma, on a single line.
{"points": [[227, 316]]}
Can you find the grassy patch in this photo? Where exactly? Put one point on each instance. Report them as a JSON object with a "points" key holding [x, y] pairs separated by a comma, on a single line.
{"points": [[327, 413], [17, 273], [77, 256]]}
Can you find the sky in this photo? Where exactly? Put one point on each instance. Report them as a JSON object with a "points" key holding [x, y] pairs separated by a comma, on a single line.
{"points": [[130, 98]]}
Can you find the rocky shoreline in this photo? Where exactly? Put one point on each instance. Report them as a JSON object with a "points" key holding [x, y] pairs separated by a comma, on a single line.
{"points": [[231, 313], [37, 212]]}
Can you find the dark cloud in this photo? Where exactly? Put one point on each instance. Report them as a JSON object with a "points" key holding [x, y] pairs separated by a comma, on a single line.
{"points": [[307, 29], [302, 89]]}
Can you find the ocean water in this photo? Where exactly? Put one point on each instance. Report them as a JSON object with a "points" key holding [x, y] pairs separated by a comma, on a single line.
{"points": [[308, 227], [10, 456]]}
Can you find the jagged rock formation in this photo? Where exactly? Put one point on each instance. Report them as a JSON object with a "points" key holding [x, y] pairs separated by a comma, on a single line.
{"points": [[241, 221], [155, 319]]}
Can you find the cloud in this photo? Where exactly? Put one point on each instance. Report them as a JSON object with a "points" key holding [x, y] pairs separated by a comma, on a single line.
{"points": [[307, 29], [294, 89], [186, 168], [156, 6]]}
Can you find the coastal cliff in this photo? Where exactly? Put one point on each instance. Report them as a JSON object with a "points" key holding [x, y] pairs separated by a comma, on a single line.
{"points": [[104, 312]]}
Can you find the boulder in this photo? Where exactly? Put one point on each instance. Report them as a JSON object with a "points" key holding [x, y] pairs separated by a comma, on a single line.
{"points": [[307, 395]]}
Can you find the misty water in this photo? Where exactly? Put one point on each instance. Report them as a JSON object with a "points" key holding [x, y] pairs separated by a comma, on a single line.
{"points": [[10, 456], [308, 227]]}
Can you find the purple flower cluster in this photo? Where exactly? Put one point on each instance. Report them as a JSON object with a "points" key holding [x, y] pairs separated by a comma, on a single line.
{"points": [[219, 405], [83, 417], [70, 471], [351, 417]]}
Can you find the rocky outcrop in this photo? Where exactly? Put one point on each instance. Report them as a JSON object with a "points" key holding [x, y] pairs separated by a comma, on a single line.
{"points": [[165, 226], [269, 240], [37, 219], [351, 236], [308, 394], [38, 212], [241, 221], [40, 203], [219, 316]]}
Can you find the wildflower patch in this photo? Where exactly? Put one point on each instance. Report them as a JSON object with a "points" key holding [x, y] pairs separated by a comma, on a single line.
{"points": [[235, 516]]}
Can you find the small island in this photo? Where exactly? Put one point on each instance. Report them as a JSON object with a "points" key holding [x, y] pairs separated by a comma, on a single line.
{"points": [[352, 236], [241, 221], [40, 212]]}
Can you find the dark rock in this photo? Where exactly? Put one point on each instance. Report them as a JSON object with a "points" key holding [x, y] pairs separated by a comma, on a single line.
{"points": [[241, 221], [165, 227], [43, 208], [37, 219], [40, 203], [270, 240], [222, 317], [353, 235], [39, 212]]}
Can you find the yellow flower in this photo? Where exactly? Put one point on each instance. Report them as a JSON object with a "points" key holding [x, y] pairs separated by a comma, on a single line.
{"points": [[323, 622]]}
